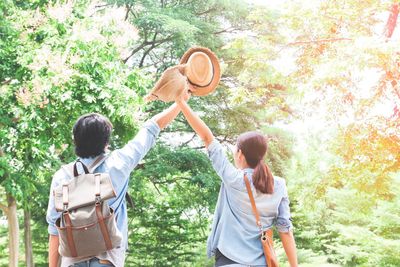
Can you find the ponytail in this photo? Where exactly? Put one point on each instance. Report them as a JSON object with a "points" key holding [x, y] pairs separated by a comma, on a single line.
{"points": [[262, 178], [254, 147]]}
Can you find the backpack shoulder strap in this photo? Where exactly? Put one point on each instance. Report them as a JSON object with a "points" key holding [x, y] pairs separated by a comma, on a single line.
{"points": [[129, 200], [97, 162], [69, 169]]}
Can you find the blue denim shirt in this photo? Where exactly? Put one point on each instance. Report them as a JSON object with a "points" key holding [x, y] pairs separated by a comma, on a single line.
{"points": [[234, 231], [119, 164]]}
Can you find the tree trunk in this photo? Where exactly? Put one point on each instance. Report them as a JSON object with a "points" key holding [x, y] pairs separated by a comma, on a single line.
{"points": [[28, 239], [392, 20], [13, 231]]}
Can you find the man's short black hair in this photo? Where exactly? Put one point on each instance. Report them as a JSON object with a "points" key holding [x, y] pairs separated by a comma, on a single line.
{"points": [[91, 135]]}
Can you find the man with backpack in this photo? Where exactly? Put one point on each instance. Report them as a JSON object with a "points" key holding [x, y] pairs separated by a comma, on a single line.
{"points": [[91, 137]]}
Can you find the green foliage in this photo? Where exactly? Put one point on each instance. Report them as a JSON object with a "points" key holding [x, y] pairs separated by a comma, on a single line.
{"points": [[313, 76], [333, 214], [168, 28], [174, 193], [47, 83]]}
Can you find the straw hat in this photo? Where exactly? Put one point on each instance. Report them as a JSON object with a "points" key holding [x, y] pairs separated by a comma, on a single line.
{"points": [[202, 70], [198, 66]]}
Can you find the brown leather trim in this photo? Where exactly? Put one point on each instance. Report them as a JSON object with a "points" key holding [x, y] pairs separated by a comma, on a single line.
{"points": [[267, 242], [268, 248], [70, 237], [105, 262], [201, 91], [253, 203], [84, 226], [103, 227], [95, 162], [85, 169], [65, 194], [97, 184]]}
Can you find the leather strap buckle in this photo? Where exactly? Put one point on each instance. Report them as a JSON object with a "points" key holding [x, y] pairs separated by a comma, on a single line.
{"points": [[264, 236], [65, 196], [97, 187]]}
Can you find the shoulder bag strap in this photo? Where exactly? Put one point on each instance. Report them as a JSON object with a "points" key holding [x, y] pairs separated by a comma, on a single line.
{"points": [[266, 236], [253, 203]]}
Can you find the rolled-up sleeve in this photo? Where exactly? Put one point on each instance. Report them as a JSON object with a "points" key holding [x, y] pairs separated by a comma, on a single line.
{"points": [[283, 220], [224, 168], [135, 150], [52, 215]]}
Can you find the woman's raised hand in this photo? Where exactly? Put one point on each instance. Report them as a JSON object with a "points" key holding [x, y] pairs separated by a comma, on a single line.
{"points": [[192, 118], [186, 93]]}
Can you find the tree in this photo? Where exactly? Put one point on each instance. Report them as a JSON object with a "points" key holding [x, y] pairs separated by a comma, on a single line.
{"points": [[47, 83], [68, 63], [345, 76], [168, 28], [175, 191]]}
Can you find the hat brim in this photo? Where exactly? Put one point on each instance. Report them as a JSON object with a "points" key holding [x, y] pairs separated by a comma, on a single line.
{"points": [[204, 90]]}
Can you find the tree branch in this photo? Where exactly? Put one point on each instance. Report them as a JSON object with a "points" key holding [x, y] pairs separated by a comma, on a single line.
{"points": [[230, 29], [140, 166], [148, 50], [198, 147], [104, 5], [206, 11], [392, 20], [128, 10], [4, 208], [145, 43], [170, 181], [134, 51], [188, 141], [99, 8], [169, 38], [6, 82], [395, 84], [319, 41], [155, 186]]}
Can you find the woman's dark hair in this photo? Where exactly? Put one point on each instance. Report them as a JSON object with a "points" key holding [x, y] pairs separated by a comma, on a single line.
{"points": [[254, 147], [91, 135]]}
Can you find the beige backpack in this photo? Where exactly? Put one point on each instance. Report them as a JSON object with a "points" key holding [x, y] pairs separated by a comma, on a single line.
{"points": [[87, 225]]}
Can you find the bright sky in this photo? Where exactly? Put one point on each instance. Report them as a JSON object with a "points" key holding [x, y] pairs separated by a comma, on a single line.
{"points": [[365, 81]]}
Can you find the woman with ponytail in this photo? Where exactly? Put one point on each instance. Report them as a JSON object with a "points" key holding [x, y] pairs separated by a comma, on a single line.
{"points": [[235, 239]]}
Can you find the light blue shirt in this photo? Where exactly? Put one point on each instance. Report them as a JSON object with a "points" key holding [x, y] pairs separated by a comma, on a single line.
{"points": [[119, 164], [234, 230]]}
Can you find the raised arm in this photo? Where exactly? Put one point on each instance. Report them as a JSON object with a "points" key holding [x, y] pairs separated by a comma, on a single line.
{"points": [[225, 169], [195, 122], [165, 117], [135, 150]]}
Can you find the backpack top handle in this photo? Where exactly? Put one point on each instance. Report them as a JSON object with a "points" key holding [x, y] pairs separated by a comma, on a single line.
{"points": [[92, 166], [85, 169]]}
